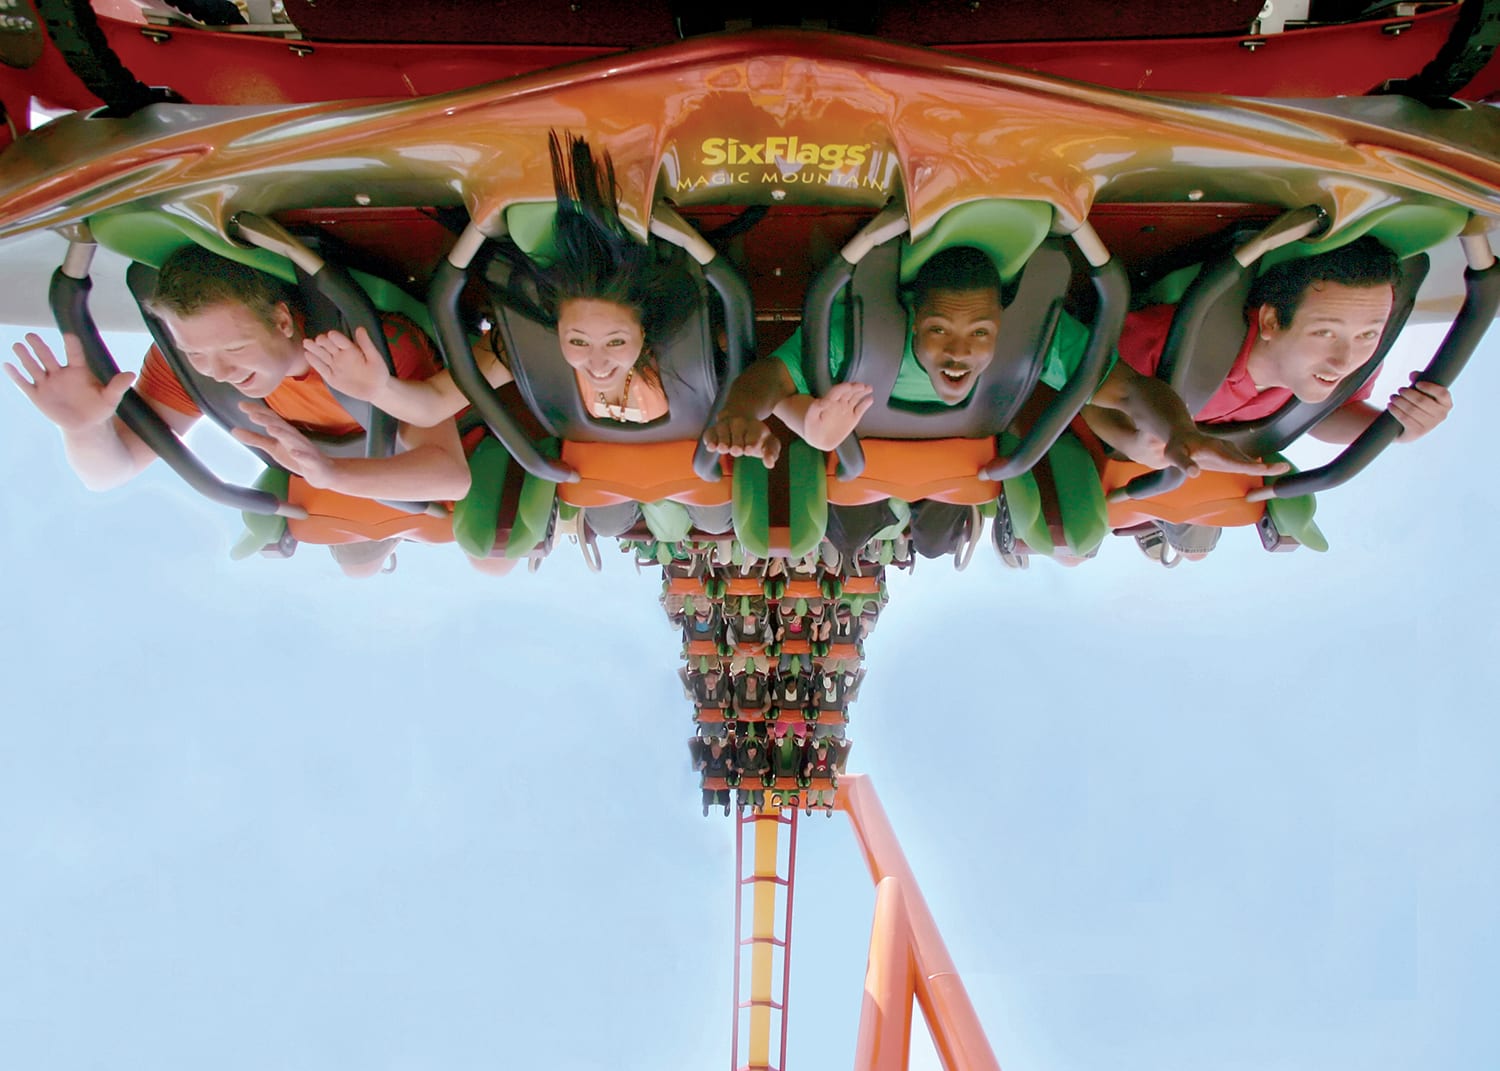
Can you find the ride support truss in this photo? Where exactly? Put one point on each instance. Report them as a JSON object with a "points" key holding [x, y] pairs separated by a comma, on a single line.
{"points": [[909, 965]]}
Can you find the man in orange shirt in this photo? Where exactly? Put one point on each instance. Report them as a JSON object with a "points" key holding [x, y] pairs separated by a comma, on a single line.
{"points": [[238, 326]]}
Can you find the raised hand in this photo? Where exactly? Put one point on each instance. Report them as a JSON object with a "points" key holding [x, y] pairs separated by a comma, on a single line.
{"points": [[68, 394], [742, 436], [355, 367], [831, 418], [285, 445], [1420, 408], [1196, 451]]}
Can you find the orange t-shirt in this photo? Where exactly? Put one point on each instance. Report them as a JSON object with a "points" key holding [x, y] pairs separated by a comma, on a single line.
{"points": [[305, 401]]}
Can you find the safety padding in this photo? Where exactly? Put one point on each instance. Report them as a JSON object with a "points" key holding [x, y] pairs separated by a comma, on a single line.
{"points": [[1060, 500], [532, 225], [149, 237], [802, 590], [1294, 517], [1007, 231], [334, 519], [610, 473], [1212, 498], [794, 528], [263, 529], [1080, 498], [668, 521], [506, 508], [1023, 501], [1405, 229], [945, 470]]}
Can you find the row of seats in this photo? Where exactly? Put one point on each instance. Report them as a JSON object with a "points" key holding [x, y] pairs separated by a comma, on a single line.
{"points": [[1011, 449], [771, 713], [785, 772]]}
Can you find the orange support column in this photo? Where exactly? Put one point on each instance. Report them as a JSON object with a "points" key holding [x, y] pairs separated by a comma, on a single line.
{"points": [[885, 1019], [907, 955]]}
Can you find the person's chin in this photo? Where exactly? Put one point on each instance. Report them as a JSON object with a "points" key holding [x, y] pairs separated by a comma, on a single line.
{"points": [[1317, 393]]}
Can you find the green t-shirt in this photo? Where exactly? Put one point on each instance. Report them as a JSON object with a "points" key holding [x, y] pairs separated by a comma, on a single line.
{"points": [[912, 382]]}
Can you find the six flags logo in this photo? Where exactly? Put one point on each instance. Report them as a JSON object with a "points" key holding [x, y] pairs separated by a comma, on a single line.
{"points": [[790, 150]]}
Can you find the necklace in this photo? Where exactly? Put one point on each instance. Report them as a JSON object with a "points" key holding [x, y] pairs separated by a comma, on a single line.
{"points": [[618, 409], [624, 393]]}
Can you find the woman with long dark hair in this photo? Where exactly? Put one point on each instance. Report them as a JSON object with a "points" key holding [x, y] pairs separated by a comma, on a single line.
{"points": [[608, 293]]}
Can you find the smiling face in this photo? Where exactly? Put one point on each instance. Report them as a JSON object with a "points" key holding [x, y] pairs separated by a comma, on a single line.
{"points": [[230, 343], [953, 338], [1333, 333], [601, 340]]}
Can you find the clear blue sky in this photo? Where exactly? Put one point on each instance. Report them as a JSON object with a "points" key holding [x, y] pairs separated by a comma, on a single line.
{"points": [[1237, 815]]}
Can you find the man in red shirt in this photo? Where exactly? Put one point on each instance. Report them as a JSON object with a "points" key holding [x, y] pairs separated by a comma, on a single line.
{"points": [[1311, 323], [238, 326]]}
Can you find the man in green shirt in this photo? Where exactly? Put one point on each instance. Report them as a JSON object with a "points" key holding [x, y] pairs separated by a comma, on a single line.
{"points": [[955, 319]]}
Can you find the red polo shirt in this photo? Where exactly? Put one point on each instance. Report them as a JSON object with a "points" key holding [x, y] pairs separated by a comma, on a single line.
{"points": [[1238, 400]]}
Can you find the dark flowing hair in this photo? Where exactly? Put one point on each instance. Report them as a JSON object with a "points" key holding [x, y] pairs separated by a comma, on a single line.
{"points": [[597, 258]]}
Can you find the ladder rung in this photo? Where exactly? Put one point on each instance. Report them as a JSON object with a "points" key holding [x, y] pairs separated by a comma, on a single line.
{"points": [[759, 1004], [753, 878], [777, 941]]}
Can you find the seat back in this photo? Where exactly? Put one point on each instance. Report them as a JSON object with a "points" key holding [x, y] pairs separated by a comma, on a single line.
{"points": [[333, 299], [220, 402], [877, 323], [1209, 327]]}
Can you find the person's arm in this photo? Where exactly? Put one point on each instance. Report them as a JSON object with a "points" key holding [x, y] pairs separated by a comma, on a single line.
{"points": [[99, 447], [1419, 407], [767, 388], [356, 368], [430, 468], [1140, 415]]}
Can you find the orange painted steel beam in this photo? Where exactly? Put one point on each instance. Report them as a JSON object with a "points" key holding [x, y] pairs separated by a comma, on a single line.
{"points": [[885, 1019], [956, 1031]]}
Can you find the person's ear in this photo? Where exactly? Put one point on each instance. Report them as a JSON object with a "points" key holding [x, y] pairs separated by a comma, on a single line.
{"points": [[286, 323], [1267, 323]]}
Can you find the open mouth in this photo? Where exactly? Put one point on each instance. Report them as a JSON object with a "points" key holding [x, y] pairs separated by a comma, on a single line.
{"points": [[956, 375], [1329, 381]]}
